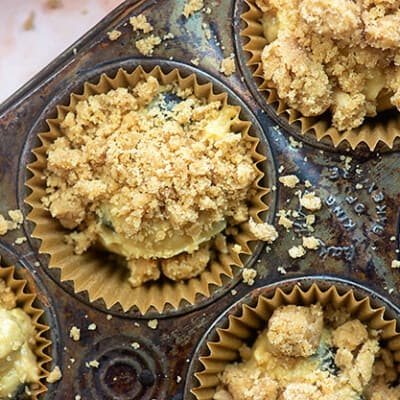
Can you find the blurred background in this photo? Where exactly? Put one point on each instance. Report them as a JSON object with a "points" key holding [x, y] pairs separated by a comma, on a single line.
{"points": [[34, 32]]}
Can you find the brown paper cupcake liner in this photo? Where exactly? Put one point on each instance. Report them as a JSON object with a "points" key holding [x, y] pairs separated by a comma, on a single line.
{"points": [[371, 132], [25, 300], [99, 277], [244, 325]]}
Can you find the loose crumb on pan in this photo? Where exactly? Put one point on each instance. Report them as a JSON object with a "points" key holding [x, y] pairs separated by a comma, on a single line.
{"points": [[152, 324], [16, 219], [310, 201], [29, 22], [135, 345], [395, 264], [20, 240], [140, 23], [297, 251], [92, 364], [263, 231], [114, 35], [192, 6], [228, 66], [249, 275], [310, 242], [146, 45], [55, 375], [75, 333], [92, 327], [289, 181]]}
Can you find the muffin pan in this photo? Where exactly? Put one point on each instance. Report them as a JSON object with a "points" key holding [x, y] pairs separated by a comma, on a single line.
{"points": [[357, 225]]}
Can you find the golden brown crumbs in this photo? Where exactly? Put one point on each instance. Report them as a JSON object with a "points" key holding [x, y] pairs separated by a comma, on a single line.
{"points": [[92, 327], [114, 35], [310, 201], [150, 182], [93, 364], [285, 222], [184, 266], [53, 4], [3, 225], [8, 299], [228, 66], [16, 216], [20, 240], [340, 55], [140, 23], [195, 61], [310, 242], [146, 45], [310, 219], [55, 375], [135, 345], [249, 275], [191, 7], [395, 264], [297, 251], [289, 181], [75, 334], [152, 324], [29, 22], [303, 355], [264, 231], [307, 183], [295, 143]]}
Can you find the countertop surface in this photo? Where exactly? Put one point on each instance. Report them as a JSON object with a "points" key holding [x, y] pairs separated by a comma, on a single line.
{"points": [[34, 32]]}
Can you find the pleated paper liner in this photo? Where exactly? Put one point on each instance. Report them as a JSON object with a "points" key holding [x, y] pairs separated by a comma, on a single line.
{"points": [[244, 325], [93, 273], [382, 129], [25, 300]]}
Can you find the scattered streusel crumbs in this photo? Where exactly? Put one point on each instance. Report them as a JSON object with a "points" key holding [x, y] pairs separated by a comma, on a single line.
{"points": [[310, 242], [152, 324], [249, 274], [20, 240], [264, 231], [297, 252], [140, 23], [135, 345], [146, 45], [55, 375], [92, 327], [395, 264], [310, 201], [195, 61], [228, 66], [75, 333], [29, 22], [92, 364], [191, 7], [289, 181], [114, 35]]}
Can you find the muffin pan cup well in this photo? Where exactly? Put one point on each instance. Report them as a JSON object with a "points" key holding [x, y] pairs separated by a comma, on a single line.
{"points": [[357, 224], [242, 322], [378, 133], [102, 278]]}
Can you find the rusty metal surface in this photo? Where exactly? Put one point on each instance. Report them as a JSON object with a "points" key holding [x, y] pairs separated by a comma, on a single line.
{"points": [[358, 225]]}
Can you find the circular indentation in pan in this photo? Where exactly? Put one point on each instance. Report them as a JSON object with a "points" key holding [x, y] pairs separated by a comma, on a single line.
{"points": [[246, 314], [92, 75], [122, 368]]}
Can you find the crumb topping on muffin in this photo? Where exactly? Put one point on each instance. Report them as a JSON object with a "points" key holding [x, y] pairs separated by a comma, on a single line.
{"points": [[339, 55], [311, 353], [149, 172]]}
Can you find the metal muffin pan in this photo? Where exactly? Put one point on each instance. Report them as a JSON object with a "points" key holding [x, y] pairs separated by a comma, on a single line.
{"points": [[356, 225]]}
